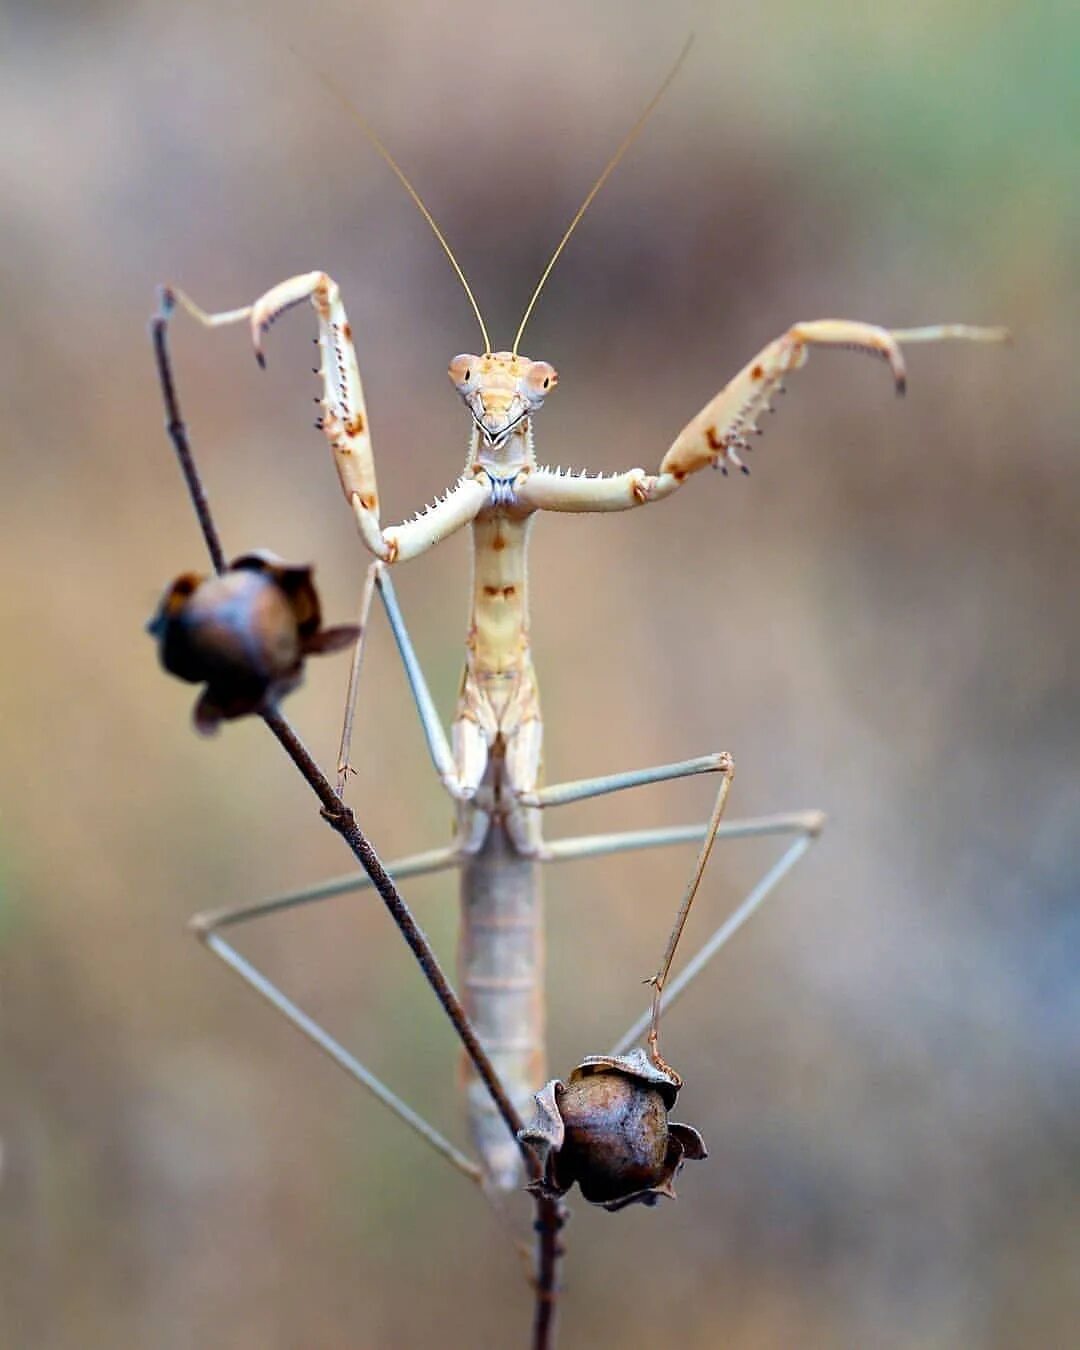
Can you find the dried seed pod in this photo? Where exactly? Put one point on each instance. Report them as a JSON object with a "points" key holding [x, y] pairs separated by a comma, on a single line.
{"points": [[608, 1130], [244, 634]]}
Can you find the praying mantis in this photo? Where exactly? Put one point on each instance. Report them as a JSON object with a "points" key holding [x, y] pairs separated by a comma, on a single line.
{"points": [[490, 764]]}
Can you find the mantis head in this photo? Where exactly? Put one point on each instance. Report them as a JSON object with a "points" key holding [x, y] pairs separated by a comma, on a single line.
{"points": [[501, 390]]}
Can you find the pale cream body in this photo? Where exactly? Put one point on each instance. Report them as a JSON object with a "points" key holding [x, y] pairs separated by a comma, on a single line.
{"points": [[497, 730]]}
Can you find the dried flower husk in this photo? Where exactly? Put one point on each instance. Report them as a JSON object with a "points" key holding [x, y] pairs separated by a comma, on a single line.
{"points": [[607, 1128], [244, 634]]}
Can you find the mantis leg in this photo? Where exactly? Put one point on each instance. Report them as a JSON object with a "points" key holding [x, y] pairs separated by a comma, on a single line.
{"points": [[720, 430], [804, 825], [442, 757], [207, 926], [435, 860], [723, 427], [344, 419], [582, 789], [415, 865], [366, 596], [438, 745], [807, 827], [344, 413], [809, 823]]}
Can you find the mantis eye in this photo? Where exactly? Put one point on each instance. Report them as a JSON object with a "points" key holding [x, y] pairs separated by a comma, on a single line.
{"points": [[540, 380], [461, 372]]}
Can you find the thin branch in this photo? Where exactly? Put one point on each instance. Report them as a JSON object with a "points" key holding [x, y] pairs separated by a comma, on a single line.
{"points": [[551, 1214], [341, 818], [551, 1217], [174, 425]]}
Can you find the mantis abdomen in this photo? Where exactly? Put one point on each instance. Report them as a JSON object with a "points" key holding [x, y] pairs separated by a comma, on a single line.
{"points": [[502, 969]]}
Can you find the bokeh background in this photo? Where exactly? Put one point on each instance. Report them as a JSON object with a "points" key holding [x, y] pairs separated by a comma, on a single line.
{"points": [[880, 622]]}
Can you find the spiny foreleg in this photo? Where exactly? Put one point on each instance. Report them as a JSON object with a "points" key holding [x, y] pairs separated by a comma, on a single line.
{"points": [[343, 416], [722, 428], [344, 413], [715, 437]]}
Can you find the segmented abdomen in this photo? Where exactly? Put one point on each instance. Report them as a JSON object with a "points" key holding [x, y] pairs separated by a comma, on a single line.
{"points": [[502, 969]]}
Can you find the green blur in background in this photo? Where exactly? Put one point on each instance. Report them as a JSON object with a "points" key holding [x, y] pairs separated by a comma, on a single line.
{"points": [[880, 622]]}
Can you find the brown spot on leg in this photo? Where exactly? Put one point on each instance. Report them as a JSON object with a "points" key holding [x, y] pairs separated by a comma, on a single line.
{"points": [[509, 592], [498, 543], [346, 332], [355, 425], [757, 373], [321, 296], [715, 443], [491, 590]]}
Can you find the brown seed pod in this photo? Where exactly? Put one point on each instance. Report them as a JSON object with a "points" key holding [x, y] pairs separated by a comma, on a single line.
{"points": [[608, 1130], [244, 634]]}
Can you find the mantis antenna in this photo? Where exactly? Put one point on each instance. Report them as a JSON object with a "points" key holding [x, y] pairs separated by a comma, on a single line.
{"points": [[627, 141], [373, 136]]}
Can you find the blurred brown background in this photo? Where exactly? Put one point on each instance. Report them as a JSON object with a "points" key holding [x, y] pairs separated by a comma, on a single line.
{"points": [[880, 622]]}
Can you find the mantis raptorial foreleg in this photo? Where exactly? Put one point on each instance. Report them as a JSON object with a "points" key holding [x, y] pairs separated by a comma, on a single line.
{"points": [[719, 431], [344, 413], [717, 434], [344, 420]]}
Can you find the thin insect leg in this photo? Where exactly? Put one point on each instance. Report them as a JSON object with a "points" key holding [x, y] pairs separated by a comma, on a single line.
{"points": [[583, 788], [717, 434], [726, 930], [344, 767], [630, 841], [660, 978], [437, 742], [208, 320], [416, 865], [941, 332], [337, 1052], [207, 925]]}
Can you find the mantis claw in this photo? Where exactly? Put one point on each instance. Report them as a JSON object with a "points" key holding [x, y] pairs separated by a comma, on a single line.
{"points": [[715, 436]]}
